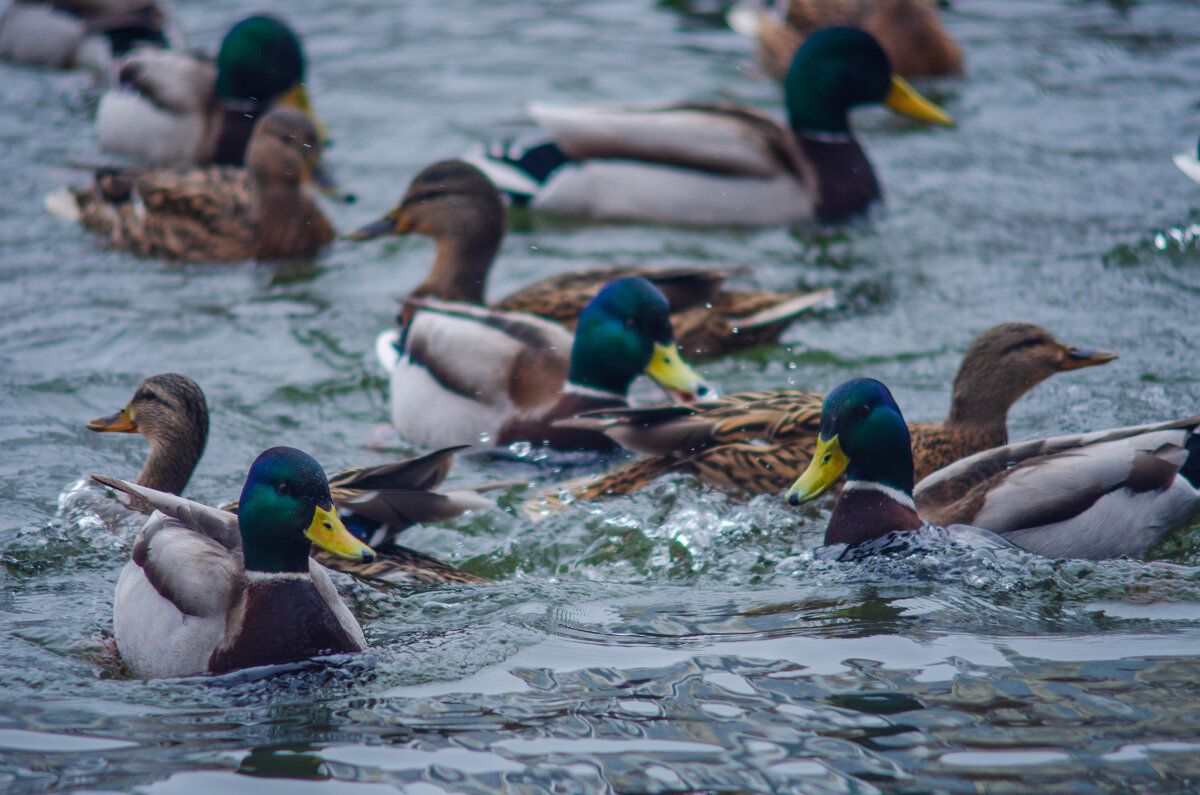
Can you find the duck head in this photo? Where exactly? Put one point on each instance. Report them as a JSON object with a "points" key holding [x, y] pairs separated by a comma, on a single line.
{"points": [[862, 434], [285, 506], [458, 206], [261, 60], [1005, 362], [285, 147], [837, 69], [171, 412], [626, 330]]}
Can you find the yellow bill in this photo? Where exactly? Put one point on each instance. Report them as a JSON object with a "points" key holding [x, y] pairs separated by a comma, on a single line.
{"points": [[905, 100], [673, 374], [328, 532], [121, 422], [827, 465]]}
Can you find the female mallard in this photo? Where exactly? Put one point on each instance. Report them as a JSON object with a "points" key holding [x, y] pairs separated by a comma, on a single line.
{"points": [[461, 374], [910, 32], [89, 34], [215, 213], [712, 165], [206, 591], [174, 109], [456, 205], [376, 502], [758, 442], [1098, 496]]}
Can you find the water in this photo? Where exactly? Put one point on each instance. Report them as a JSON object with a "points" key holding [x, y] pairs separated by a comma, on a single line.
{"points": [[674, 640]]}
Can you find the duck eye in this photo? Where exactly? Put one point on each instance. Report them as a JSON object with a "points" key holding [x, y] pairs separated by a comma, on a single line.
{"points": [[283, 489], [630, 322], [864, 412]]}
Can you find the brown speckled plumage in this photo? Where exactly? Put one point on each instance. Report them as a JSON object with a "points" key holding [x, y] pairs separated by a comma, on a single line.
{"points": [[910, 31], [456, 205], [760, 442], [218, 213]]}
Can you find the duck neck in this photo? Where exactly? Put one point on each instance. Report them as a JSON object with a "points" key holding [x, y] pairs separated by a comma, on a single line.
{"points": [[460, 267], [980, 408], [173, 456], [845, 182], [279, 559], [867, 509], [587, 398], [233, 129], [288, 222]]}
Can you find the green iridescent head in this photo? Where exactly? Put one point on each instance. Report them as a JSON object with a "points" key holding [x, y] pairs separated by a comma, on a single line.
{"points": [[862, 434], [626, 330], [284, 508], [837, 69], [260, 60]]}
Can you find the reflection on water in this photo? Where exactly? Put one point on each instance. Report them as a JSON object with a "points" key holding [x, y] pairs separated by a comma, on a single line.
{"points": [[675, 640]]}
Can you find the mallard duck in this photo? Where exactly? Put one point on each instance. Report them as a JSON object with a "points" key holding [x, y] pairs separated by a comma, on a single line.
{"points": [[862, 434], [88, 34], [180, 110], [464, 374], [909, 31], [375, 502], [218, 212], [207, 591], [1095, 496], [454, 203], [718, 165], [758, 442]]}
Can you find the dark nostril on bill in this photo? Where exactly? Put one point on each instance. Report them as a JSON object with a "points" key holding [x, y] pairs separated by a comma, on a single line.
{"points": [[702, 390], [793, 499], [328, 526]]}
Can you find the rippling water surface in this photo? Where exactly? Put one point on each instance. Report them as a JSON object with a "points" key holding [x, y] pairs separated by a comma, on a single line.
{"points": [[675, 640]]}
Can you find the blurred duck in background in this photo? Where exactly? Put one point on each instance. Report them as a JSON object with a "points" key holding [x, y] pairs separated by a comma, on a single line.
{"points": [[84, 34], [910, 32], [171, 108], [712, 165], [215, 213]]}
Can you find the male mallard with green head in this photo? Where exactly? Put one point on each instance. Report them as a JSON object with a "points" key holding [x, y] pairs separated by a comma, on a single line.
{"points": [[462, 374], [174, 109], [376, 502], [758, 442], [863, 435], [215, 213], [1098, 496], [454, 203], [719, 165], [206, 591]]}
